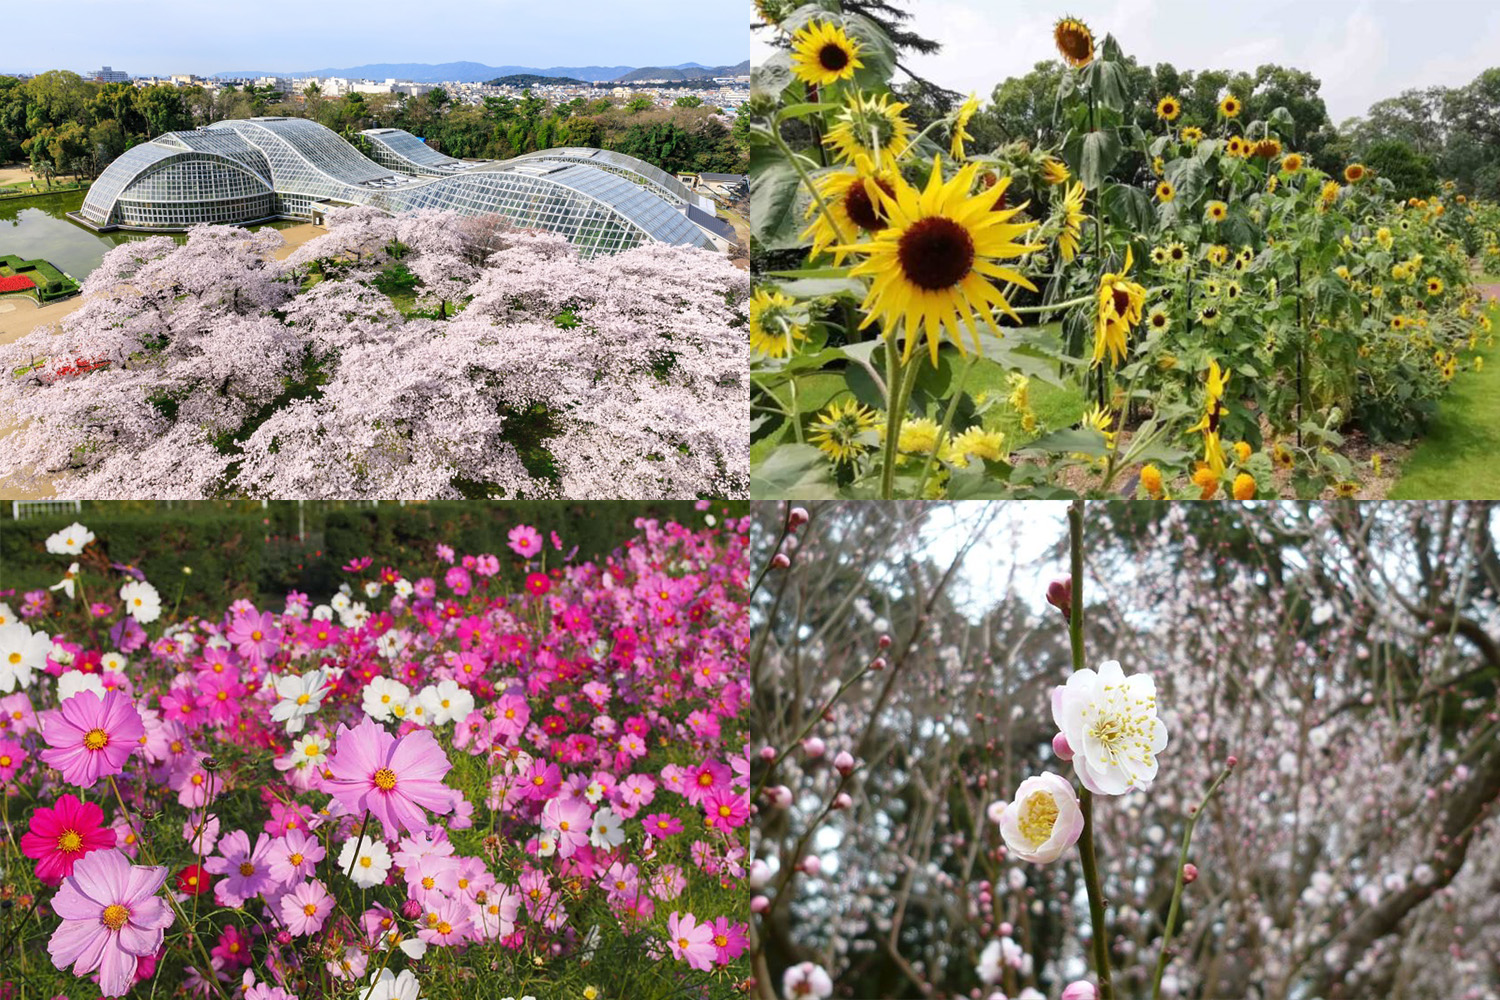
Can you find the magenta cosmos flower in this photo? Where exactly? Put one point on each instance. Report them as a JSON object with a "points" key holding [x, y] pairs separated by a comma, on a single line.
{"points": [[112, 917], [59, 837], [304, 909], [392, 778], [524, 541], [91, 737]]}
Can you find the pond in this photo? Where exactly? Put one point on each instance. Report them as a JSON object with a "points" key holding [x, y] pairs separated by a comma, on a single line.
{"points": [[37, 227]]}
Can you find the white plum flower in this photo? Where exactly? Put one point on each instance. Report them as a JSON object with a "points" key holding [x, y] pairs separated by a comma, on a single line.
{"points": [[1109, 721], [142, 602], [806, 980], [989, 964], [1043, 820], [70, 541]]}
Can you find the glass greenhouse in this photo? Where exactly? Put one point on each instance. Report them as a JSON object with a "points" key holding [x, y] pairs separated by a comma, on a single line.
{"points": [[257, 169]]}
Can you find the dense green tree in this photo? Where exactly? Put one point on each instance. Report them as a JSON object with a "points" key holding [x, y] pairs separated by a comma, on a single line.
{"points": [[1413, 174], [690, 101], [638, 104], [164, 110]]}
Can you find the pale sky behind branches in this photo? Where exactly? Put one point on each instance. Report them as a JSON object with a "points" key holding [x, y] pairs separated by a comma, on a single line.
{"points": [[1362, 51], [146, 37]]}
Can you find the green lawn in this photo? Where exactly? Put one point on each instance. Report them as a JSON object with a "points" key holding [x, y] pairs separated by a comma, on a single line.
{"points": [[1456, 459]]}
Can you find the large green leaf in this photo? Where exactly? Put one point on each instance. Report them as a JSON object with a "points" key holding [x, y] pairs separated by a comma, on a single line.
{"points": [[771, 77], [1188, 177], [773, 194], [1129, 207], [792, 472], [1093, 155], [1080, 440]]}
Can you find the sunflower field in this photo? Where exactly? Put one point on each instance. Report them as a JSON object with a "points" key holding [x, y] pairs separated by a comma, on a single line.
{"points": [[1192, 311]]}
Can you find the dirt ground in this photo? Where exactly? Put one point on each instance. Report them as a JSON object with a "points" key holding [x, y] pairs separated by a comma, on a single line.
{"points": [[15, 173], [20, 316]]}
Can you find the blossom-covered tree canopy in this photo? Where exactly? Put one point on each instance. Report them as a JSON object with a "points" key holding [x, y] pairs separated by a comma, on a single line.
{"points": [[1312, 687], [418, 357]]}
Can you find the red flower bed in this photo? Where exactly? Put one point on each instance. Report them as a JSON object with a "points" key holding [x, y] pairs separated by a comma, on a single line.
{"points": [[15, 283], [78, 366]]}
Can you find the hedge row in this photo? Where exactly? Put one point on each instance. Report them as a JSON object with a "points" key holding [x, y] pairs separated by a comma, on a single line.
{"points": [[257, 555]]}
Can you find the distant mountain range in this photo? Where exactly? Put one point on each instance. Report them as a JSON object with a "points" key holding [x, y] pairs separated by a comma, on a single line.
{"points": [[472, 72]]}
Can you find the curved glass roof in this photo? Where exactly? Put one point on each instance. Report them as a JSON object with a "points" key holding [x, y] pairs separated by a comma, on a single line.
{"points": [[311, 159], [410, 153], [129, 165], [625, 165]]}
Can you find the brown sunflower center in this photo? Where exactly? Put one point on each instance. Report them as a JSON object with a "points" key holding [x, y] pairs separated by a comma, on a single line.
{"points": [[1121, 300], [864, 211], [833, 57], [936, 253], [1075, 42]]}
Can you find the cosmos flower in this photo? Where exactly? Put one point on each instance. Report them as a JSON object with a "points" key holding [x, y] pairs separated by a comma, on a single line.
{"points": [[62, 835], [395, 779], [524, 540], [301, 696], [690, 941], [22, 653], [142, 602], [91, 737], [112, 918], [1110, 723], [304, 909], [373, 864], [69, 541]]}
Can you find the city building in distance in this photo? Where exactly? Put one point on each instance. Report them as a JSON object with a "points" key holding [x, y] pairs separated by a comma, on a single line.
{"points": [[238, 172]]}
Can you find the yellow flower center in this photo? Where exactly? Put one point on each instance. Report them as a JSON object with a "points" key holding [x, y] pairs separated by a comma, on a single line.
{"points": [[682, 943], [15, 657], [303, 699], [428, 882], [95, 739], [114, 916], [444, 927], [69, 842], [256, 635], [247, 869], [385, 779], [311, 909], [1038, 816], [295, 859]]}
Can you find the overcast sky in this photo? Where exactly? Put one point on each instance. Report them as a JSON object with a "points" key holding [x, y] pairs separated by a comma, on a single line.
{"points": [[145, 37], [1362, 51]]}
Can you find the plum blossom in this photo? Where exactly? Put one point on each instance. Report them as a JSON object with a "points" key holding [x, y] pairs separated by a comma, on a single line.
{"points": [[1110, 723], [1043, 820]]}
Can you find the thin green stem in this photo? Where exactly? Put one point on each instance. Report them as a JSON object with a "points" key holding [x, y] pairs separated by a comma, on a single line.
{"points": [[943, 432], [806, 179], [896, 395], [358, 845], [1182, 856]]}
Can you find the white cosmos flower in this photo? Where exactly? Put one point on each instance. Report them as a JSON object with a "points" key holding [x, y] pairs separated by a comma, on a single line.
{"points": [[112, 662], [446, 701], [70, 541], [372, 865], [7, 616], [1110, 723], [607, 831], [22, 652], [1044, 819], [70, 682], [393, 987], [68, 583], [301, 696], [142, 602], [381, 697]]}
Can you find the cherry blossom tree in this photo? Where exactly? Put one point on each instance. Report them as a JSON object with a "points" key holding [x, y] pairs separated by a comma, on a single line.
{"points": [[211, 369]]}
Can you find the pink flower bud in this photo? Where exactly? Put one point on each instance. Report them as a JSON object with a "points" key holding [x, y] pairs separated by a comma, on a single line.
{"points": [[1233, 760], [1080, 989], [1061, 747], [1060, 595], [1189, 872], [811, 865], [780, 561], [760, 904], [768, 753], [877, 664], [1005, 929], [796, 517], [842, 801], [813, 746], [780, 796], [411, 909], [283, 937], [844, 762], [884, 642]]}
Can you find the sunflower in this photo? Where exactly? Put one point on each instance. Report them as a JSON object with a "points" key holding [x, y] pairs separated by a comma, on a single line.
{"points": [[1347, 489], [1102, 420], [1164, 192], [1159, 320], [1168, 108], [823, 54], [1209, 316], [1328, 195], [1282, 456], [960, 124], [1244, 486], [1218, 254], [1272, 183], [1177, 254], [1054, 171], [933, 264], [837, 430], [1242, 451], [1230, 106], [1267, 149], [774, 324], [918, 437], [1192, 134], [854, 205], [1232, 291], [1120, 305], [1213, 413], [1212, 288], [1291, 163], [1206, 481], [1434, 286], [976, 442], [1354, 173], [1235, 146], [1151, 480], [1073, 218], [1217, 211], [1158, 255], [1075, 42], [870, 126], [1398, 322]]}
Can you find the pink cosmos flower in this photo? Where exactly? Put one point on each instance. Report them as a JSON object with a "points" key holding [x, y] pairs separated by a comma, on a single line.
{"points": [[294, 856], [730, 940], [11, 759], [662, 825], [446, 923], [112, 917], [232, 949], [726, 809], [60, 837], [569, 819], [247, 873], [395, 779], [524, 541], [691, 942], [304, 909], [255, 636], [91, 737]]}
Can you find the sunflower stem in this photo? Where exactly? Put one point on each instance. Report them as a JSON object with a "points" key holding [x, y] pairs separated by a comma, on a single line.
{"points": [[806, 179], [963, 378], [896, 395], [1085, 797]]}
